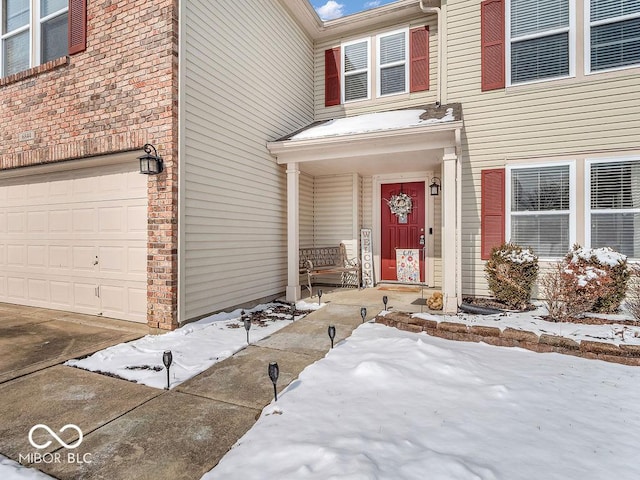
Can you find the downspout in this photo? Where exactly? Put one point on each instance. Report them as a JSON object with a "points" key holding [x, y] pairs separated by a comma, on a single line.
{"points": [[436, 10]]}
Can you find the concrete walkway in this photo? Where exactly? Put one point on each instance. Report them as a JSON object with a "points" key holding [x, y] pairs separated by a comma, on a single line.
{"points": [[134, 431]]}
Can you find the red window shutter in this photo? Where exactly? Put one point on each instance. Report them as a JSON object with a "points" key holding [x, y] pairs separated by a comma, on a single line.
{"points": [[493, 210], [332, 77], [492, 44], [77, 26], [419, 59]]}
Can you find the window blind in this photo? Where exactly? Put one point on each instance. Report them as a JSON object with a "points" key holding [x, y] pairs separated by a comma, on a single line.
{"points": [[16, 14], [540, 189], [356, 86], [393, 48], [356, 57], [47, 7], [536, 16], [605, 9], [540, 209], [615, 206], [546, 235], [615, 43], [540, 58]]}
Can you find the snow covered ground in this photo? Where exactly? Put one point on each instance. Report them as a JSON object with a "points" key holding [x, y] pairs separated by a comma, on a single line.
{"points": [[195, 346], [388, 404]]}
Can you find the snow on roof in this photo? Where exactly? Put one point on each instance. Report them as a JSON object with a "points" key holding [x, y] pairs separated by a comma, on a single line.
{"points": [[374, 122]]}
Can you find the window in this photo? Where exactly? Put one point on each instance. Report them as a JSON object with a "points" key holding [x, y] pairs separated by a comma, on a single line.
{"points": [[355, 58], [540, 208], [613, 206], [393, 68], [540, 39], [613, 34], [33, 32]]}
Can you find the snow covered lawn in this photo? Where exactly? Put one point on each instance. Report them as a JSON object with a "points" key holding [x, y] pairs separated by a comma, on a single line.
{"points": [[396, 405], [195, 346]]}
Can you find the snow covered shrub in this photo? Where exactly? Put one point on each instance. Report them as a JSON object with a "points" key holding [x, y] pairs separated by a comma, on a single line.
{"points": [[633, 293], [511, 272], [571, 289], [615, 268]]}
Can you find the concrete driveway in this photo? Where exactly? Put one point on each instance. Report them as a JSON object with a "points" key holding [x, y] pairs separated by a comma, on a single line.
{"points": [[35, 338]]}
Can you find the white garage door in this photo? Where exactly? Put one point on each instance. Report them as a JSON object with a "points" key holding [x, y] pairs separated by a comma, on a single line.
{"points": [[76, 240]]}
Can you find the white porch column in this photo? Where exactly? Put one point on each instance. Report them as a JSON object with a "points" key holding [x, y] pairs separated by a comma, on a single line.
{"points": [[450, 262], [293, 234]]}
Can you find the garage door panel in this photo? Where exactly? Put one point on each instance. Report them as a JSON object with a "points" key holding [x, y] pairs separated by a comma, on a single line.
{"points": [[61, 294], [38, 290], [60, 221], [55, 225], [16, 289], [15, 222], [111, 219], [124, 300], [84, 220], [15, 255], [36, 222], [59, 257], [84, 295], [112, 259], [37, 256], [137, 260]]}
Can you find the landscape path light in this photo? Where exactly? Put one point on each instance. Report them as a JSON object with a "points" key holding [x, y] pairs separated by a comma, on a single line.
{"points": [[319, 295], [274, 372], [247, 323], [293, 311], [167, 359], [385, 299], [363, 313], [332, 333]]}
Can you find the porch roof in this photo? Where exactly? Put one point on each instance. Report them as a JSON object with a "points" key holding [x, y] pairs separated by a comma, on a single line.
{"points": [[412, 135]]}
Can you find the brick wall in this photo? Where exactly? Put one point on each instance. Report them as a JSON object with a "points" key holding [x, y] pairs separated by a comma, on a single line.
{"points": [[116, 96]]}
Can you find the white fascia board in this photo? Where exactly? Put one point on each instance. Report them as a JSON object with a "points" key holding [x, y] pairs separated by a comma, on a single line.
{"points": [[425, 137]]}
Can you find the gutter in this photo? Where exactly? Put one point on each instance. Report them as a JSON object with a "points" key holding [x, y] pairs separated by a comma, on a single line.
{"points": [[437, 11]]}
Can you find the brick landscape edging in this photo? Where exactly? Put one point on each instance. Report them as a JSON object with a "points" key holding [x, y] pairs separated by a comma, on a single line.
{"points": [[511, 337]]}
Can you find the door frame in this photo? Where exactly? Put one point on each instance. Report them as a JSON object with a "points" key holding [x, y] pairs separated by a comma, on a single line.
{"points": [[406, 177]]}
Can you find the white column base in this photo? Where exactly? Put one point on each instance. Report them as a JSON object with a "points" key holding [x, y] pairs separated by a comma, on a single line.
{"points": [[294, 293]]}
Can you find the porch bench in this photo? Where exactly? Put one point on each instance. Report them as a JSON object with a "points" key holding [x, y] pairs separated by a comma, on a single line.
{"points": [[319, 261]]}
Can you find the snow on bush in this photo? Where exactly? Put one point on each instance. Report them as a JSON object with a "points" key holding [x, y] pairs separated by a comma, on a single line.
{"points": [[511, 272], [587, 280], [594, 261]]}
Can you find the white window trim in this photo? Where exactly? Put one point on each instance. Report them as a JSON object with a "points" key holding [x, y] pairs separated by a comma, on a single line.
{"points": [[343, 74], [379, 67], [587, 39], [587, 195], [572, 200], [35, 36], [572, 45]]}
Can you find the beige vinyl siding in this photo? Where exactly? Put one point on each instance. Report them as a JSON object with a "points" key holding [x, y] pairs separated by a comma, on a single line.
{"points": [[246, 78], [568, 119], [306, 210], [392, 102], [336, 215], [367, 202]]}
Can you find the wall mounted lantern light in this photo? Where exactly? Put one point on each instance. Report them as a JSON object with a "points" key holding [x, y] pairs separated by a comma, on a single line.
{"points": [[150, 164], [434, 188]]}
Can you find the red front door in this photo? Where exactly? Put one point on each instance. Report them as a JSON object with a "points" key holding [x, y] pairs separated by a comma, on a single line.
{"points": [[398, 232]]}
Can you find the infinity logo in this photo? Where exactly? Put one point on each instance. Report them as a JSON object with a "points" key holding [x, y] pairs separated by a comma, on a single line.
{"points": [[52, 433]]}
